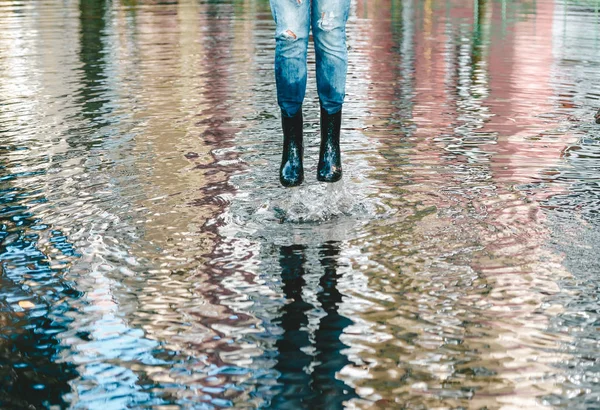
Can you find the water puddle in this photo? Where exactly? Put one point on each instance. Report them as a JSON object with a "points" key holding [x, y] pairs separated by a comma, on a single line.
{"points": [[149, 257]]}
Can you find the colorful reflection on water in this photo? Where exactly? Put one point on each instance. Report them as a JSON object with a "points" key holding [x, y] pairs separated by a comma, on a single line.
{"points": [[150, 258]]}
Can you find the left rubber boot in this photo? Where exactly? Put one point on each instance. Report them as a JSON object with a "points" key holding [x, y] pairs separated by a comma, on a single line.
{"points": [[330, 157], [291, 171]]}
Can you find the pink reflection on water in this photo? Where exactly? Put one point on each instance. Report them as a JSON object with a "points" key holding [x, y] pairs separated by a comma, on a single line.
{"points": [[483, 114]]}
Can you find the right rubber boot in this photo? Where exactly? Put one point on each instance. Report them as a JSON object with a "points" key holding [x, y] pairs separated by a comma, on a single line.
{"points": [[291, 172], [329, 168]]}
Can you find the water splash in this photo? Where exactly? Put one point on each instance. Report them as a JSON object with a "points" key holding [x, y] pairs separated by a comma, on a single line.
{"points": [[318, 203]]}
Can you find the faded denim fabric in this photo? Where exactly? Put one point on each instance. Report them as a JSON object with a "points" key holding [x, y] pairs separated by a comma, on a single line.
{"points": [[294, 19]]}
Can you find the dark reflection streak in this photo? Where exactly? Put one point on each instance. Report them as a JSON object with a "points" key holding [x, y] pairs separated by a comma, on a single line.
{"points": [[478, 34], [471, 103], [301, 386], [92, 55], [29, 375]]}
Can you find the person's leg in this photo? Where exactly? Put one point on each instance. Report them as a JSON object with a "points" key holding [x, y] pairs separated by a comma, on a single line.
{"points": [[329, 31], [292, 19]]}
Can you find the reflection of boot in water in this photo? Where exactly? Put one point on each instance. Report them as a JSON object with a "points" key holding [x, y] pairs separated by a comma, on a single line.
{"points": [[597, 117], [291, 172], [319, 389], [292, 362], [330, 157], [330, 392]]}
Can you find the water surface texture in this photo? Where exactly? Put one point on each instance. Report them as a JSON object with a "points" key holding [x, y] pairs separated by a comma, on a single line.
{"points": [[150, 259]]}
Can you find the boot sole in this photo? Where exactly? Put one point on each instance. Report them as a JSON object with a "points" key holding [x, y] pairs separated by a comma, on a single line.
{"points": [[334, 179], [291, 184]]}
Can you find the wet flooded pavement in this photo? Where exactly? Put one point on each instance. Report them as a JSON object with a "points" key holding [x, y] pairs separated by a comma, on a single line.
{"points": [[150, 259]]}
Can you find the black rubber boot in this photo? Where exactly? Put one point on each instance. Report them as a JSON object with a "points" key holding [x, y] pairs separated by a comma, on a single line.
{"points": [[291, 172], [330, 157]]}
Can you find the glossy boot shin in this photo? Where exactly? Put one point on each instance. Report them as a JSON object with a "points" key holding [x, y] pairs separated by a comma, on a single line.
{"points": [[291, 172], [330, 158]]}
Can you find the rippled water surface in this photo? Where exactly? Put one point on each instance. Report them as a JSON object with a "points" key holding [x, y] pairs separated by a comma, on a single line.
{"points": [[150, 259]]}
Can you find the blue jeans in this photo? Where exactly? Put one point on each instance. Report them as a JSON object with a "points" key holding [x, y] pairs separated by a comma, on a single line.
{"points": [[294, 19]]}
